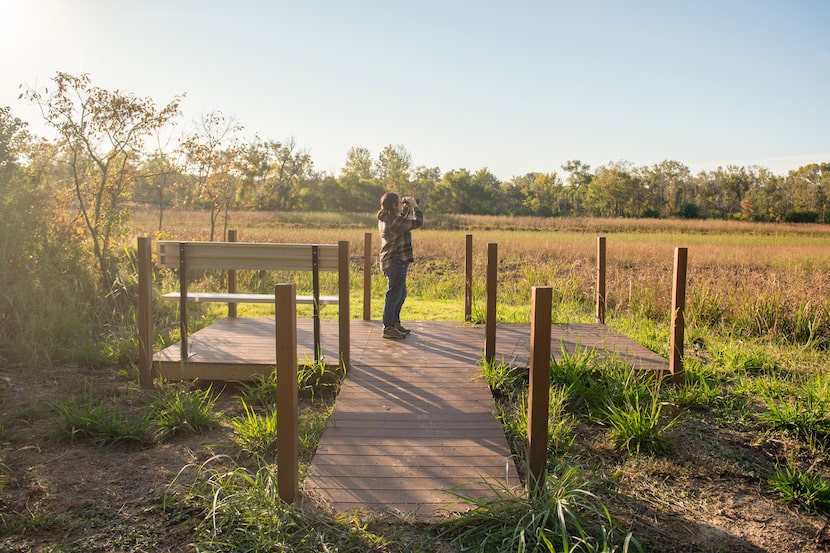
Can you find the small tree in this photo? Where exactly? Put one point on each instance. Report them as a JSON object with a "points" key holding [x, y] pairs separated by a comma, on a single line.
{"points": [[100, 136], [215, 156]]}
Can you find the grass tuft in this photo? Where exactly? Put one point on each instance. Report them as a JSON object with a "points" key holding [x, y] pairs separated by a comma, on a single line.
{"points": [[184, 412], [806, 489], [86, 419], [637, 429], [256, 434], [564, 515]]}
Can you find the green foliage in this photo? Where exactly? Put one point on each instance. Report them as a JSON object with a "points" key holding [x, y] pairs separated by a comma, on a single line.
{"points": [[737, 358], [699, 389], [236, 509], [803, 488], [802, 418], [564, 515], [314, 378], [184, 412], [85, 418], [505, 380], [636, 428], [593, 382], [255, 434], [561, 424], [262, 391]]}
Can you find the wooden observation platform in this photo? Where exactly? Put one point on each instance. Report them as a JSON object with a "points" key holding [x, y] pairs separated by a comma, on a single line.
{"points": [[414, 418]]}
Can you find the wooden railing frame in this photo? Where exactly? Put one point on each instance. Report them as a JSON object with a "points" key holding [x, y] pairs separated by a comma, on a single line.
{"points": [[183, 263]]}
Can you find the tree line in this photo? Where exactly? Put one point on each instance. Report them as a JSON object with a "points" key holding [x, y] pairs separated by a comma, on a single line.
{"points": [[107, 154]]}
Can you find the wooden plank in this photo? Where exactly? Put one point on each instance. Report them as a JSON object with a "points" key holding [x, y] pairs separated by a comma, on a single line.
{"points": [[366, 461], [420, 427], [247, 255], [241, 297]]}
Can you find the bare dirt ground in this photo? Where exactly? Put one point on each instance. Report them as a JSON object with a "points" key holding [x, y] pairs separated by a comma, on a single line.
{"points": [[707, 495]]}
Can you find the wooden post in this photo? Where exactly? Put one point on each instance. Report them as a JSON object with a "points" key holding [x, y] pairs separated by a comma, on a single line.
{"points": [[468, 279], [288, 442], [678, 321], [367, 276], [344, 309], [601, 280], [539, 391], [492, 283], [145, 313], [232, 280], [315, 294], [184, 348]]}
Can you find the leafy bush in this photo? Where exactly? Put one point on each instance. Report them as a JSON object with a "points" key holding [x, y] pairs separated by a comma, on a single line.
{"points": [[802, 216]]}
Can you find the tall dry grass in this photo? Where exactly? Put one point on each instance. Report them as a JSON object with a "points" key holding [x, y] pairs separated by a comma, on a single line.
{"points": [[766, 280]]}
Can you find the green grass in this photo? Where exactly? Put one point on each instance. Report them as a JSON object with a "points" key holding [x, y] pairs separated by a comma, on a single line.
{"points": [[562, 425], [237, 509], [88, 419], [184, 412], [803, 488], [255, 434], [505, 380], [638, 428], [564, 515], [803, 419]]}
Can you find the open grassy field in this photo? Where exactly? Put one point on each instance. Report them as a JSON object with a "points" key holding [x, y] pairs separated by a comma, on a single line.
{"points": [[732, 461]]}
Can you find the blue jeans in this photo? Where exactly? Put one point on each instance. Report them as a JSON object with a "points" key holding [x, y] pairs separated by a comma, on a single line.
{"points": [[395, 292]]}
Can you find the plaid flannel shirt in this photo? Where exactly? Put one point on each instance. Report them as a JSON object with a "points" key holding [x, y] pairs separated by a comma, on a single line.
{"points": [[396, 237]]}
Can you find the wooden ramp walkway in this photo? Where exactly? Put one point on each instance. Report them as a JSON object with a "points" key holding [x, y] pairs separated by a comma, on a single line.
{"points": [[412, 420]]}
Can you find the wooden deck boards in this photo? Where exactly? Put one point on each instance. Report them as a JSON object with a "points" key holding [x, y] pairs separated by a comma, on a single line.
{"points": [[413, 418]]}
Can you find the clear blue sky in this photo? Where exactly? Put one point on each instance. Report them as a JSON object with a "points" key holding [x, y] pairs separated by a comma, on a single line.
{"points": [[512, 86]]}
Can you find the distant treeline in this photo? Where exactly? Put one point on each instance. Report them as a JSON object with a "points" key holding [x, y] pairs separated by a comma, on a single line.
{"points": [[102, 161], [288, 182]]}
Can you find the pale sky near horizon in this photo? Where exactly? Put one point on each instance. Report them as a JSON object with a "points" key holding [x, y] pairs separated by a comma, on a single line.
{"points": [[515, 87]]}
